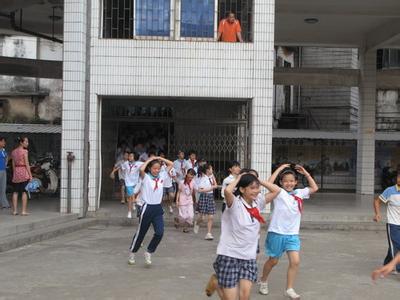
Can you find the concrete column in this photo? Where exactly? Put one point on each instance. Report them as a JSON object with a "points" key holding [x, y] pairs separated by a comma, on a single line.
{"points": [[366, 124], [74, 93], [261, 115]]}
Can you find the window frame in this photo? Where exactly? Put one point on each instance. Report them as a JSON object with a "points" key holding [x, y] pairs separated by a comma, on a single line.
{"points": [[174, 28]]}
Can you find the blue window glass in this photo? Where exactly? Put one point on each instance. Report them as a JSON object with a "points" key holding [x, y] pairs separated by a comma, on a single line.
{"points": [[153, 17], [197, 18]]}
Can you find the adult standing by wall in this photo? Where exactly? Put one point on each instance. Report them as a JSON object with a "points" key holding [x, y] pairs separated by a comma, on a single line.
{"points": [[3, 173], [21, 175], [229, 29]]}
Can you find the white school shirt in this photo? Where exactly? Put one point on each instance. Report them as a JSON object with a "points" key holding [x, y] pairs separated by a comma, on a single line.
{"points": [[391, 197], [131, 172], [239, 231], [179, 166], [204, 182], [286, 216], [189, 165], [168, 176], [227, 181], [149, 194]]}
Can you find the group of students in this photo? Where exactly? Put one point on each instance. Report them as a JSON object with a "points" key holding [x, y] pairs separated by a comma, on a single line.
{"points": [[235, 265]]}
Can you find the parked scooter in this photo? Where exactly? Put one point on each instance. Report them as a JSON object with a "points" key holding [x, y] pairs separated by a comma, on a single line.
{"points": [[44, 173]]}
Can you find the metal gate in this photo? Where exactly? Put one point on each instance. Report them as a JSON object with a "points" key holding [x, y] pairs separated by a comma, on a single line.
{"points": [[218, 130]]}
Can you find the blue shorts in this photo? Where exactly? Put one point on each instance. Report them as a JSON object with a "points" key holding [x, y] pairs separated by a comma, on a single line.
{"points": [[276, 244], [129, 190]]}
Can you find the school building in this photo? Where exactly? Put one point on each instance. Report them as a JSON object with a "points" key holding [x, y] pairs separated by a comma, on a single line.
{"points": [[313, 83]]}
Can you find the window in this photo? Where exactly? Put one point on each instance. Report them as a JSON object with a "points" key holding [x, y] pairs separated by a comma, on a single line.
{"points": [[172, 18], [197, 18], [152, 17], [118, 19]]}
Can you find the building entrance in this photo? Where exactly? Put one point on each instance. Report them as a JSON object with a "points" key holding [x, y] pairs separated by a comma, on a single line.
{"points": [[218, 130]]}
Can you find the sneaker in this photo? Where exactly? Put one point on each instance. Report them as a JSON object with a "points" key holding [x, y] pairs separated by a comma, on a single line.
{"points": [[212, 285], [134, 208], [129, 216], [131, 259], [171, 211], [291, 294], [147, 258], [263, 290], [209, 237], [196, 228]]}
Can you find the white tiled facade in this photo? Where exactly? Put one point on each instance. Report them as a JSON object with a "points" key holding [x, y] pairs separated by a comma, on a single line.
{"points": [[123, 67]]}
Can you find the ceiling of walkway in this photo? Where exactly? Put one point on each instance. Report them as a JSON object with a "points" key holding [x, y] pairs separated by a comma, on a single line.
{"points": [[354, 23]]}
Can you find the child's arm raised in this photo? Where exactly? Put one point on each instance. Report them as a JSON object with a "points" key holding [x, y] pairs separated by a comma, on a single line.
{"points": [[273, 189], [144, 166], [277, 171], [228, 192], [312, 185], [169, 163]]}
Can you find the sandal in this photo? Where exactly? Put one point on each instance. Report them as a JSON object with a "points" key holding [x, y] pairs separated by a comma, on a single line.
{"points": [[15, 213], [25, 214]]}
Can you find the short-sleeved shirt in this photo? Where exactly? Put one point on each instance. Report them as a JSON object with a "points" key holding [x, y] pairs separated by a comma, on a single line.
{"points": [[229, 30], [3, 159], [239, 231], [168, 176], [186, 192], [179, 166], [206, 182], [152, 188], [190, 165], [227, 181], [131, 172], [391, 196], [286, 216]]}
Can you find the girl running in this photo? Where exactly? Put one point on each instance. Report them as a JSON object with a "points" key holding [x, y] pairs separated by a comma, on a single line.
{"points": [[206, 205], [184, 201], [283, 231], [151, 213], [235, 266]]}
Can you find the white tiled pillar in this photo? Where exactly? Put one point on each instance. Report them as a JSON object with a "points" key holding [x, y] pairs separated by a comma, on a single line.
{"points": [[261, 115], [74, 65], [366, 127]]}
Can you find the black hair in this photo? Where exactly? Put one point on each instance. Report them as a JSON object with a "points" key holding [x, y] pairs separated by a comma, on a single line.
{"points": [[233, 163], [152, 152], [190, 152], [247, 170], [127, 152], [161, 152], [2, 138], [229, 12], [288, 171], [152, 163], [191, 172], [21, 139], [203, 169], [245, 181], [180, 151]]}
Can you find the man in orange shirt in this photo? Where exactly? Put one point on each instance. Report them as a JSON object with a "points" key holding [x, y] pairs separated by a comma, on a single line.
{"points": [[229, 29]]}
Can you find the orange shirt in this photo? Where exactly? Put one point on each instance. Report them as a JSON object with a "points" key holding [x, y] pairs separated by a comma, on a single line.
{"points": [[229, 30]]}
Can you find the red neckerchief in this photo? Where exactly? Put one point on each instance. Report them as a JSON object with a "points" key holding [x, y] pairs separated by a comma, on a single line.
{"points": [[131, 165], [156, 179], [254, 213], [299, 202], [193, 162]]}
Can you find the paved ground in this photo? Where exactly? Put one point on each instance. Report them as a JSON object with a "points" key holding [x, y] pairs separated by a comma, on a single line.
{"points": [[92, 264]]}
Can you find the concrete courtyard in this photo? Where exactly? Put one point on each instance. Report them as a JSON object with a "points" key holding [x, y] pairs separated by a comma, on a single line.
{"points": [[92, 264]]}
